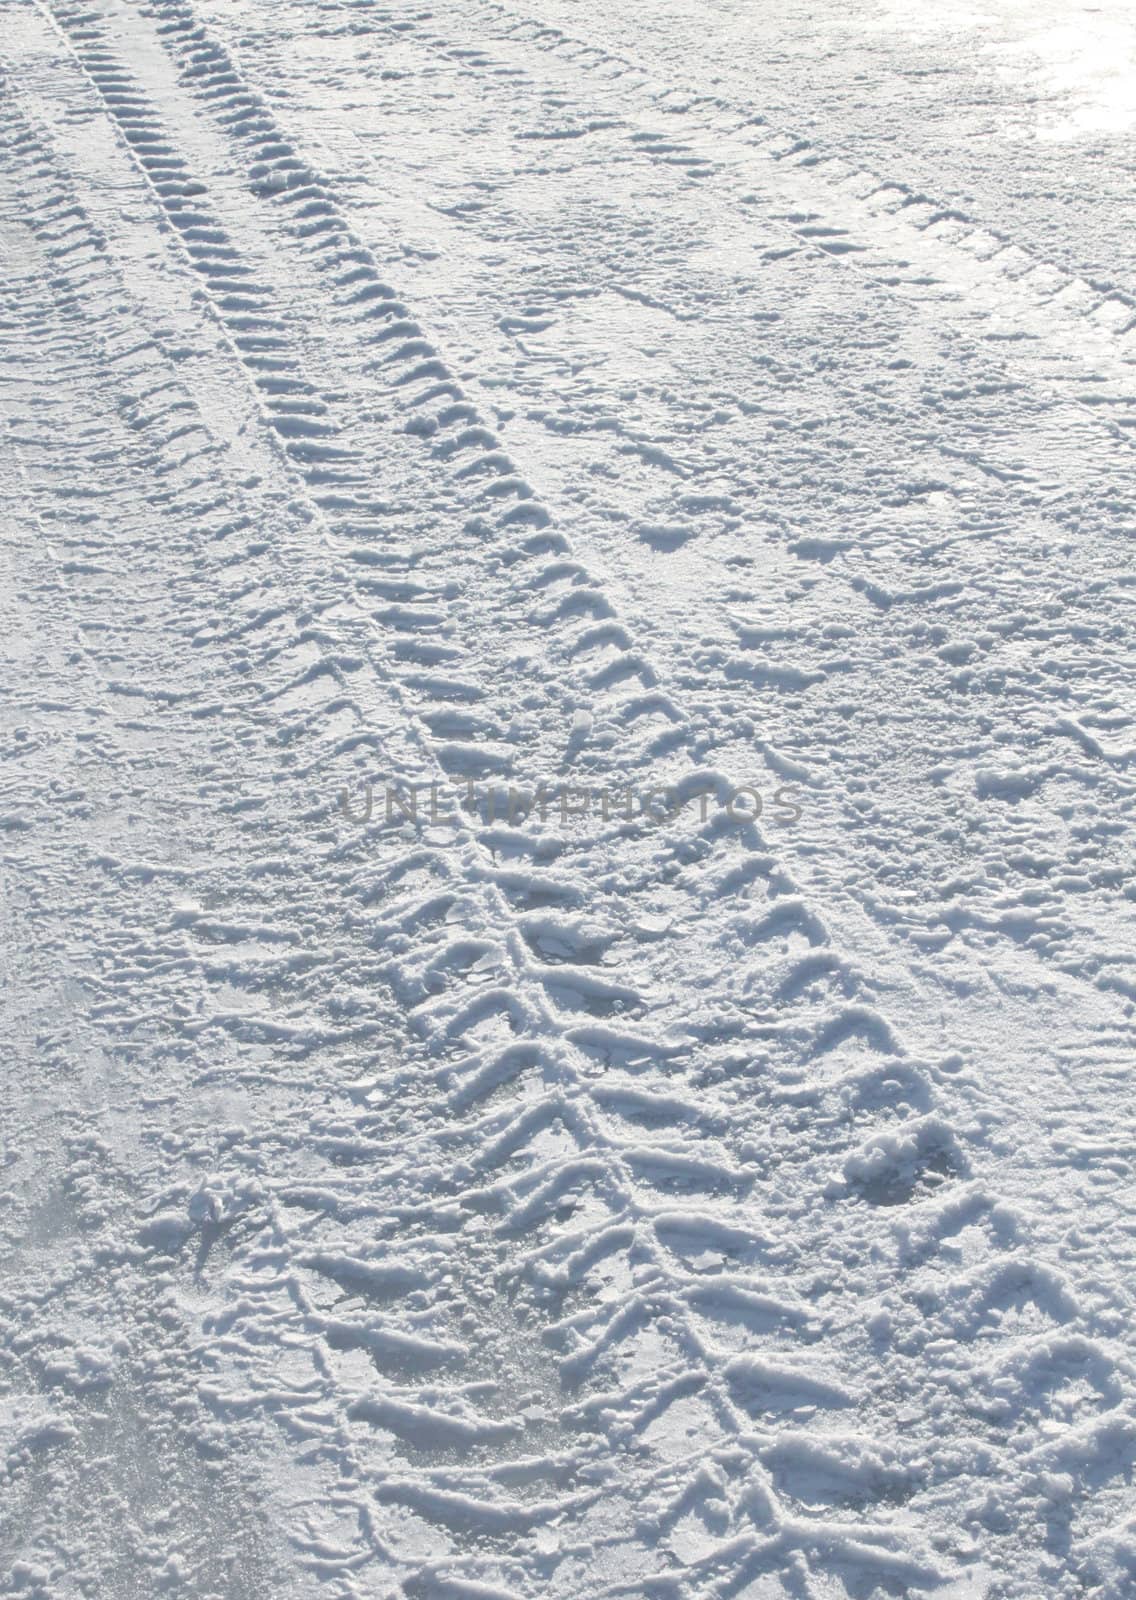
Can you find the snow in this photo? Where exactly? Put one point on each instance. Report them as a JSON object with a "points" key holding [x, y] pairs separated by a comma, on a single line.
{"points": [[567, 804]]}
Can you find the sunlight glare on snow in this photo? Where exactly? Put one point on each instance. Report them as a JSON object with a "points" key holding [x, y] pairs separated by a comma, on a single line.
{"points": [[1078, 62]]}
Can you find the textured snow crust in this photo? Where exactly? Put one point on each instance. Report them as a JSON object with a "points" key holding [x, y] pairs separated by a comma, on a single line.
{"points": [[566, 813]]}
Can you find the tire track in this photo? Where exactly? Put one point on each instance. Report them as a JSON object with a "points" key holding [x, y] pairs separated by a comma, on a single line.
{"points": [[99, 1365], [970, 251], [873, 227]]}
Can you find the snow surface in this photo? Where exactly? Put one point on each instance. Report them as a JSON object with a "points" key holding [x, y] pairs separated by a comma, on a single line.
{"points": [[706, 401]]}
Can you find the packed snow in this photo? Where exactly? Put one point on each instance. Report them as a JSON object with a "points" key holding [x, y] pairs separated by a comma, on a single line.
{"points": [[568, 800]]}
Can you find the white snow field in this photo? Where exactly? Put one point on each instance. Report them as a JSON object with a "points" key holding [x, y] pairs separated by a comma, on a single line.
{"points": [[598, 1190]]}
